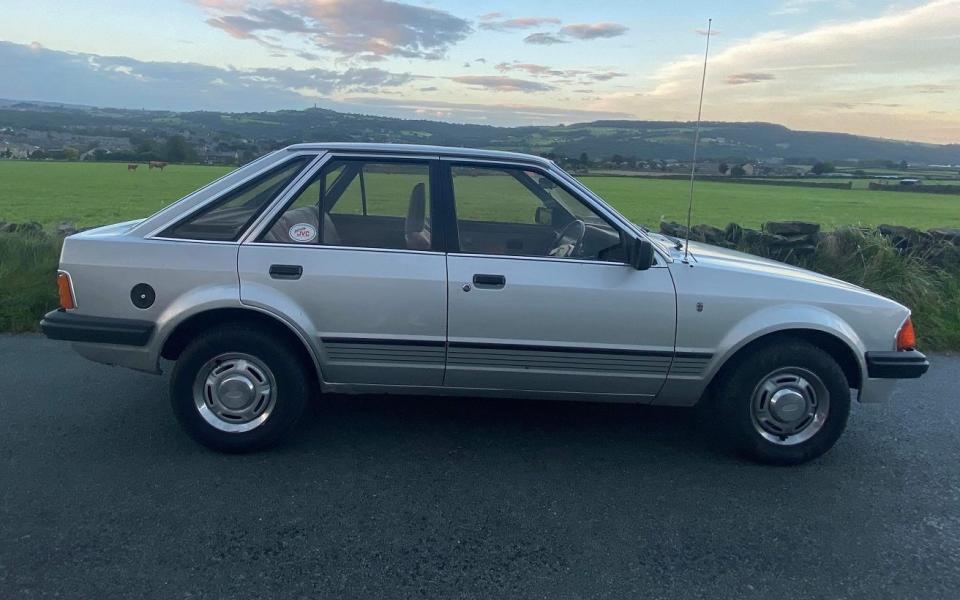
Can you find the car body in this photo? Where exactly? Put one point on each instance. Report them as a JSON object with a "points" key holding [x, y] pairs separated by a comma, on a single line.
{"points": [[430, 270]]}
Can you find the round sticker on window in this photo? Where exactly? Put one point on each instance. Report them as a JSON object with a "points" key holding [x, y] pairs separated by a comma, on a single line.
{"points": [[303, 233]]}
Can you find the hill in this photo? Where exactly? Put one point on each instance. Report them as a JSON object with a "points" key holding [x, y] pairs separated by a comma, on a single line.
{"points": [[219, 135]]}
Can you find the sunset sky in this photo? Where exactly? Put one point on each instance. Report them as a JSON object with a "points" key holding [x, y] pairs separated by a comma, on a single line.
{"points": [[878, 68]]}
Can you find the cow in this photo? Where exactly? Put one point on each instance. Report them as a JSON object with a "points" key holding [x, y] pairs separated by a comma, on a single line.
{"points": [[157, 164], [132, 167]]}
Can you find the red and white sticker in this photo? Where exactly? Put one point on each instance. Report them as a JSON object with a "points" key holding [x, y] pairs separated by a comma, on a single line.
{"points": [[303, 233]]}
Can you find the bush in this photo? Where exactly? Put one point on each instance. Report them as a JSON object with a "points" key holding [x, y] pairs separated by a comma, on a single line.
{"points": [[870, 260], [28, 289]]}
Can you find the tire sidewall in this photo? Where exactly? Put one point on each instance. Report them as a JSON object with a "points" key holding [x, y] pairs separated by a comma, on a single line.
{"points": [[736, 393], [289, 373]]}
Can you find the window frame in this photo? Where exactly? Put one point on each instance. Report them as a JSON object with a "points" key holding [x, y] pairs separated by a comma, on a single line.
{"points": [[308, 158], [438, 237], [452, 224]]}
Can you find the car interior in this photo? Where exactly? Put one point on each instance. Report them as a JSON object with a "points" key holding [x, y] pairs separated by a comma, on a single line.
{"points": [[552, 231]]}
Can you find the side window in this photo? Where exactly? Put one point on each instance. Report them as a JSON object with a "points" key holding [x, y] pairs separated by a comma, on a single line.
{"points": [[228, 217], [505, 211], [366, 204]]}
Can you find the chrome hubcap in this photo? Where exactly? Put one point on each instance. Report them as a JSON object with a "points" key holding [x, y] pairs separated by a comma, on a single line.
{"points": [[235, 392], [790, 406]]}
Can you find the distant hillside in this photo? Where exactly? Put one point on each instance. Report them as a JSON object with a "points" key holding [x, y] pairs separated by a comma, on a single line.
{"points": [[53, 125]]}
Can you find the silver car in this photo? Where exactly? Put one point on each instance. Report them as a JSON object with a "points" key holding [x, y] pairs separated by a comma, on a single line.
{"points": [[356, 268]]}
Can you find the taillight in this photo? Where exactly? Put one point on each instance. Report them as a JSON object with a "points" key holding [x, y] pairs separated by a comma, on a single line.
{"points": [[65, 289], [906, 337]]}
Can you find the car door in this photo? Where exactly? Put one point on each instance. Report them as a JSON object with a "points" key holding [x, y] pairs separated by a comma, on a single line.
{"points": [[350, 257], [531, 307]]}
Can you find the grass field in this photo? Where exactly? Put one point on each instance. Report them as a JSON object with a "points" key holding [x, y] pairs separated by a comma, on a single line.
{"points": [[91, 194], [99, 193]]}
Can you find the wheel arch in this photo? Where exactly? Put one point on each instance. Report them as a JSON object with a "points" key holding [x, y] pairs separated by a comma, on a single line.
{"points": [[838, 349], [175, 342]]}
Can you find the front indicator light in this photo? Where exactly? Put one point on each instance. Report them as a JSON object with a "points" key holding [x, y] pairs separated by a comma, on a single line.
{"points": [[906, 337]]}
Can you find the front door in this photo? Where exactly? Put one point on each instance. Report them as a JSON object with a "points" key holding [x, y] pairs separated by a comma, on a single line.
{"points": [[351, 257], [540, 297]]}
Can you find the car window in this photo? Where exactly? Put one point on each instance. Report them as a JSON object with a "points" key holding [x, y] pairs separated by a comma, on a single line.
{"points": [[229, 216], [371, 204], [507, 211]]}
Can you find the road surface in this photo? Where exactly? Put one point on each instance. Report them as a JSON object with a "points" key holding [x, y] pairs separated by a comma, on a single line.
{"points": [[101, 495]]}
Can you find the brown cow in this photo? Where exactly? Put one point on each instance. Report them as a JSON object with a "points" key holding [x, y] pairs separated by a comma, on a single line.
{"points": [[157, 164], [132, 167]]}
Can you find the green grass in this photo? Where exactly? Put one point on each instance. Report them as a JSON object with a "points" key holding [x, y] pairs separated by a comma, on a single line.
{"points": [[92, 193], [646, 201], [28, 289], [99, 193]]}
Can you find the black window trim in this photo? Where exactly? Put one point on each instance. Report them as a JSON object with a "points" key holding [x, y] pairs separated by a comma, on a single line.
{"points": [[437, 233], [451, 229], [253, 180]]}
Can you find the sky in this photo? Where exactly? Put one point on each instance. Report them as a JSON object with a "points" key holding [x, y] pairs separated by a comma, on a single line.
{"points": [[877, 68]]}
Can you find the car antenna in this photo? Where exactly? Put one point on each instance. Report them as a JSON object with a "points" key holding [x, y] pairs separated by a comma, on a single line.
{"points": [[696, 143]]}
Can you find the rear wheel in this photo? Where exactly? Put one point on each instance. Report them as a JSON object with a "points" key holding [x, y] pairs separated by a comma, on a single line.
{"points": [[785, 403], [237, 389]]}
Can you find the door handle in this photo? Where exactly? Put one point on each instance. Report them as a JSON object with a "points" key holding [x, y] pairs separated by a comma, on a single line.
{"points": [[485, 280], [286, 271]]}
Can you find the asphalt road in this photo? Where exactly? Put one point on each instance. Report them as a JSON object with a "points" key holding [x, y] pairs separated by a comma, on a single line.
{"points": [[102, 496]]}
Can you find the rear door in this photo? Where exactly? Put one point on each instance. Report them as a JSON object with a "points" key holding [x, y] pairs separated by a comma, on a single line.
{"points": [[534, 305], [351, 255]]}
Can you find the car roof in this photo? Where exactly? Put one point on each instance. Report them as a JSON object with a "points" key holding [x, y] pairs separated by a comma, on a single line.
{"points": [[417, 149]]}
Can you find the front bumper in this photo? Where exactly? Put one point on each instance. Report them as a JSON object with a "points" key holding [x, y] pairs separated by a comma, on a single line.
{"points": [[62, 325], [908, 364]]}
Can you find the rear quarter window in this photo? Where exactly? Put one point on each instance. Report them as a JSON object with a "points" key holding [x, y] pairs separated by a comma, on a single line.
{"points": [[225, 219]]}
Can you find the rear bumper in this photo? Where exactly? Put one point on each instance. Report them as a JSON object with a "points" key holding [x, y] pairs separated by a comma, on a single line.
{"points": [[63, 325], [896, 365]]}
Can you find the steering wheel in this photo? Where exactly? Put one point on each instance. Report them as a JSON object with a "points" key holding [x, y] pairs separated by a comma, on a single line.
{"points": [[569, 241]]}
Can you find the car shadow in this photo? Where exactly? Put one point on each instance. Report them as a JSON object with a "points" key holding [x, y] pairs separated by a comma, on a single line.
{"points": [[524, 427]]}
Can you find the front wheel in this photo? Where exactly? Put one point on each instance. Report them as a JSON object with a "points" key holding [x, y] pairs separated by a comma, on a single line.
{"points": [[237, 389], [784, 404]]}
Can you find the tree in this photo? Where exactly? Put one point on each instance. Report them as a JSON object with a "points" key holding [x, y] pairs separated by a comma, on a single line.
{"points": [[724, 167], [71, 153], [179, 150], [820, 168], [737, 171], [584, 160], [904, 166]]}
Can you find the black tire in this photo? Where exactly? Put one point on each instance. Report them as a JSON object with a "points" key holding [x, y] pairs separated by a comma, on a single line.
{"points": [[293, 386], [735, 391]]}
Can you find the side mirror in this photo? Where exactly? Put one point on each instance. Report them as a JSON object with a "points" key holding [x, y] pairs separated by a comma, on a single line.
{"points": [[543, 216], [640, 254]]}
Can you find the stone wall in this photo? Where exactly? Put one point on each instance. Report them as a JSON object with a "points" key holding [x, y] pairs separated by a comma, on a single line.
{"points": [[795, 241], [63, 229], [923, 189]]}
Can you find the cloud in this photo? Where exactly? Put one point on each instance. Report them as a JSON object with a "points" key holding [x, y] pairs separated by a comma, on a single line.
{"points": [[537, 70], [544, 39], [42, 74], [592, 31], [502, 84], [518, 23], [879, 60], [741, 78], [352, 28], [606, 75]]}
